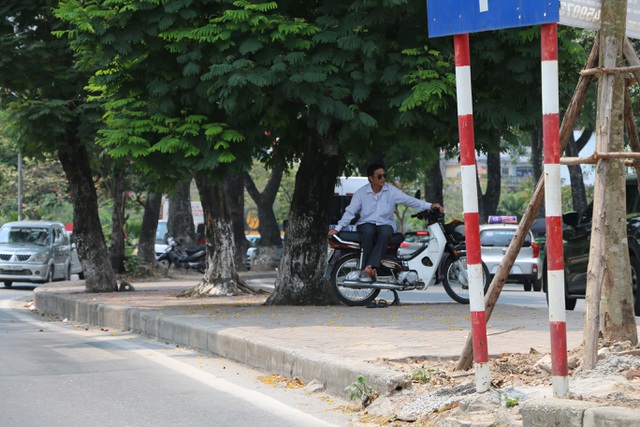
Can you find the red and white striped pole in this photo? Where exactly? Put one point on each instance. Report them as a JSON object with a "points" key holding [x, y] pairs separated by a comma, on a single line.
{"points": [[471, 218], [553, 208]]}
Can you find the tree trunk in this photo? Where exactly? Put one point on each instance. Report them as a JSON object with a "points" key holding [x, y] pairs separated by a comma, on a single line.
{"points": [[609, 269], [433, 187], [537, 158], [489, 200], [578, 194], [221, 277], [180, 222], [234, 191], [116, 248], [91, 246], [270, 240], [300, 279], [150, 216]]}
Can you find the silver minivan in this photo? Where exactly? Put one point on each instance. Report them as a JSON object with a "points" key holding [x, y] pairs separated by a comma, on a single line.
{"points": [[34, 251], [527, 268]]}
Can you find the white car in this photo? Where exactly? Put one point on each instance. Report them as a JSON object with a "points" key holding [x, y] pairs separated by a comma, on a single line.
{"points": [[527, 268], [34, 251], [76, 265], [253, 244], [254, 239], [161, 242]]}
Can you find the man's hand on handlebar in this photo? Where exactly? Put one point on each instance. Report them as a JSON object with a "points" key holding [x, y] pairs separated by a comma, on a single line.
{"points": [[332, 232], [437, 206]]}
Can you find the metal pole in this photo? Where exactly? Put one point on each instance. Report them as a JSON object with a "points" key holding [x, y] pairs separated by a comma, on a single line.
{"points": [[19, 185], [553, 209], [471, 217]]}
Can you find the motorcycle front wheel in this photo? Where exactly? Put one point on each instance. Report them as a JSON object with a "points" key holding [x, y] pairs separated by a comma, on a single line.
{"points": [[455, 281], [350, 296]]}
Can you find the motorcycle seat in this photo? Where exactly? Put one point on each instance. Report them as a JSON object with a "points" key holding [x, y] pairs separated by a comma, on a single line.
{"points": [[191, 251], [354, 236]]}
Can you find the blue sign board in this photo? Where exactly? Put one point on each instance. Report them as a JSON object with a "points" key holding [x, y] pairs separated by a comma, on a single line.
{"points": [[448, 17]]}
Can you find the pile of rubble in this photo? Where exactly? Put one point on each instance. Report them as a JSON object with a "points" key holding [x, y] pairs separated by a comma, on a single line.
{"points": [[445, 397]]}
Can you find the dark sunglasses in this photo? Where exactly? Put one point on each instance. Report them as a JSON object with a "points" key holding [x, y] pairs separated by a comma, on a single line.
{"points": [[382, 175]]}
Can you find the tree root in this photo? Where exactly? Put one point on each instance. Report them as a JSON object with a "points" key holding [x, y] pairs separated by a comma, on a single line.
{"points": [[221, 287]]}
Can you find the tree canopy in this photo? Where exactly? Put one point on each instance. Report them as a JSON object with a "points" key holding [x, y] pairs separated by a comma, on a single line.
{"points": [[44, 100], [198, 88]]}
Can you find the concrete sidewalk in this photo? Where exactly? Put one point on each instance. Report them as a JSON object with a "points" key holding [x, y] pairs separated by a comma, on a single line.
{"points": [[333, 345]]}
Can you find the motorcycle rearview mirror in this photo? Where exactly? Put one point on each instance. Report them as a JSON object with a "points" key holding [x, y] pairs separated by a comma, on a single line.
{"points": [[418, 194]]}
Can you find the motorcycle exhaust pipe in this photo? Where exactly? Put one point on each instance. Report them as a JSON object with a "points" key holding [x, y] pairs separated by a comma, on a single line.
{"points": [[355, 284]]}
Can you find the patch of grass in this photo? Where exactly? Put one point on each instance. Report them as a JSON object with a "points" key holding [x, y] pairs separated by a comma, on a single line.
{"points": [[422, 376], [510, 402]]}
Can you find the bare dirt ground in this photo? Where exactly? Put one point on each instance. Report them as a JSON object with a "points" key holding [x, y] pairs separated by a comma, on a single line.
{"points": [[440, 395]]}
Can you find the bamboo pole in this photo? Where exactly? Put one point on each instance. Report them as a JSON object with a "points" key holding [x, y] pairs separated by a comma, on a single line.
{"points": [[609, 70], [593, 158]]}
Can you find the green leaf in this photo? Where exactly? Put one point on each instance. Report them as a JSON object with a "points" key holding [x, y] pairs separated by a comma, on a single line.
{"points": [[361, 91], [191, 69], [251, 45], [350, 42], [367, 120]]}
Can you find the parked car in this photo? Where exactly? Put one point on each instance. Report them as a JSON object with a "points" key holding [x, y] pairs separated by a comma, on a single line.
{"points": [[254, 240], [576, 236], [34, 251], [76, 265], [161, 238], [527, 268], [253, 244]]}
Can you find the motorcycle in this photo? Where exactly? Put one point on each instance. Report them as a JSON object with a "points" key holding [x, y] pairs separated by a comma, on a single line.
{"points": [[192, 258], [439, 260]]}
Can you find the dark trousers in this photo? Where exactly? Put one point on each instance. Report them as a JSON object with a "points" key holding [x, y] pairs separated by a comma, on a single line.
{"points": [[374, 240]]}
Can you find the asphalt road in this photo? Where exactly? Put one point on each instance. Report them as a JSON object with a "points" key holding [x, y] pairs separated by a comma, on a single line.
{"points": [[512, 293], [54, 374]]}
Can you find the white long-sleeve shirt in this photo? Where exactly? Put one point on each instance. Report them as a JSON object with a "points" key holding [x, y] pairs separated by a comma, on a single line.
{"points": [[378, 208]]}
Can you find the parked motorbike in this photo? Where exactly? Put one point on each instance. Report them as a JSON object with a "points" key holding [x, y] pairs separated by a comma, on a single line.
{"points": [[190, 258], [440, 259]]}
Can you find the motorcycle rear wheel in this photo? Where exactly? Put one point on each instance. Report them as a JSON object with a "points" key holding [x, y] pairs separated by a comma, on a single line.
{"points": [[457, 288], [350, 296]]}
